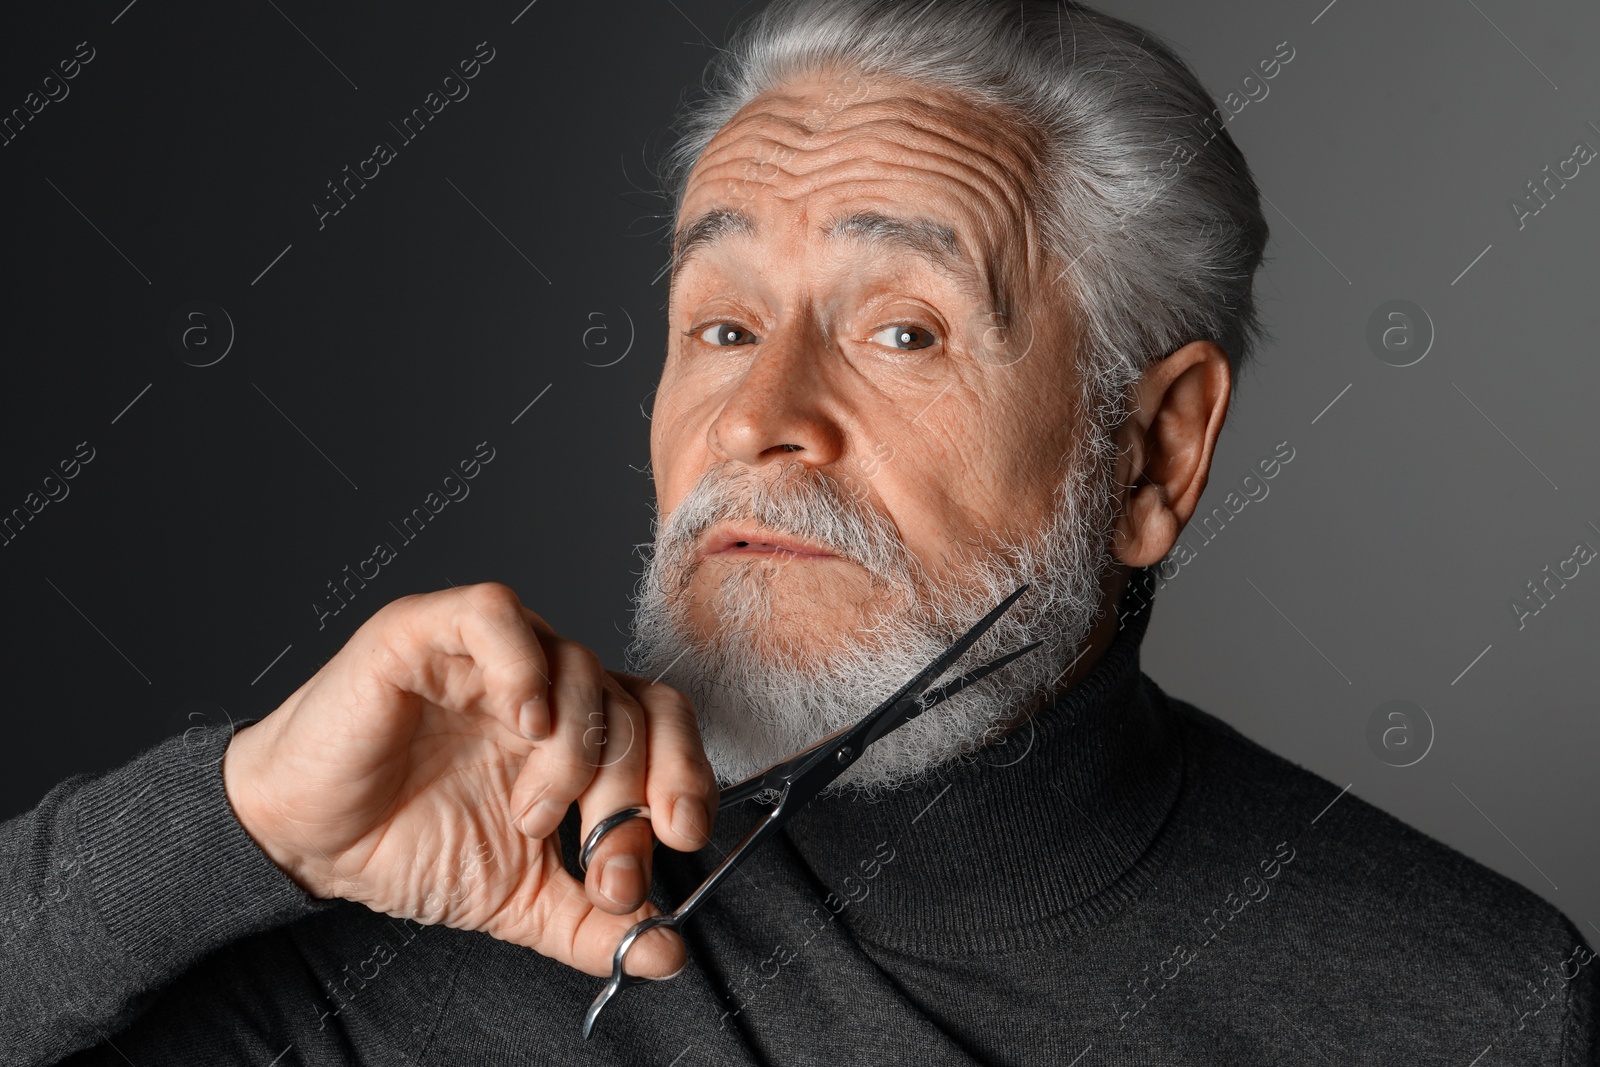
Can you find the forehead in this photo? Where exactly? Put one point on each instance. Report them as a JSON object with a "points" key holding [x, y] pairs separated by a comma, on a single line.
{"points": [[882, 160]]}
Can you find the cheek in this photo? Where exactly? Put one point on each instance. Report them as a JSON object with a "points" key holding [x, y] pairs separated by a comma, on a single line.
{"points": [[666, 458], [988, 463], [938, 482], [678, 427], [1035, 424], [959, 441]]}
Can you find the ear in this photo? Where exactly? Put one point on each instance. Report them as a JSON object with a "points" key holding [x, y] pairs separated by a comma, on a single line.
{"points": [[1166, 443]]}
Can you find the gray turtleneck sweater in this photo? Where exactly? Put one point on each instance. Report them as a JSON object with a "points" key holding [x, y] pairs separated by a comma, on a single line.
{"points": [[1124, 881]]}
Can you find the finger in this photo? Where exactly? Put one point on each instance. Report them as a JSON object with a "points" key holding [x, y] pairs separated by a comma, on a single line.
{"points": [[564, 924], [487, 625], [618, 877], [680, 786], [561, 766]]}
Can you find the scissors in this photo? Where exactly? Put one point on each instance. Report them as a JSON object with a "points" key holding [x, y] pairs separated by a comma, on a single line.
{"points": [[797, 780]]}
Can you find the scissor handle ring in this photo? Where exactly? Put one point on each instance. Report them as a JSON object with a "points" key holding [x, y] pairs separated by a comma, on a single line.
{"points": [[604, 827], [619, 978]]}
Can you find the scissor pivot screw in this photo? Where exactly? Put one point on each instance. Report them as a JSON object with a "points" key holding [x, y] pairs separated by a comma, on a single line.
{"points": [[845, 754]]}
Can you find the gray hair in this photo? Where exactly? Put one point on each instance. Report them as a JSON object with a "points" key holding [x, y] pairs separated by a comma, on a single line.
{"points": [[1150, 212]]}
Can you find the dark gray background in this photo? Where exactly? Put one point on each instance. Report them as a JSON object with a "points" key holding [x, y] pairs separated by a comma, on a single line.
{"points": [[500, 259]]}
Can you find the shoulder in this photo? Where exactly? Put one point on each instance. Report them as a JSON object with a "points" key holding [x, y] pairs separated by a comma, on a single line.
{"points": [[1397, 922], [1370, 856]]}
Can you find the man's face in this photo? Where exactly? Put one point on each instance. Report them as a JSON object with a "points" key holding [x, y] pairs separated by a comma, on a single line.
{"points": [[877, 312]]}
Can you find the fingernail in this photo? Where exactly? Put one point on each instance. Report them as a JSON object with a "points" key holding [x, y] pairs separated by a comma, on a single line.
{"points": [[532, 720], [689, 819], [675, 973], [620, 878], [658, 938]]}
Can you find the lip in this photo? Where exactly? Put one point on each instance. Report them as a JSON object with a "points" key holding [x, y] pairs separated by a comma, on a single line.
{"points": [[747, 539]]}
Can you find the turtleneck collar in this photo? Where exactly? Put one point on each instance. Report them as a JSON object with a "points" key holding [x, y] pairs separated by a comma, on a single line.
{"points": [[1038, 834]]}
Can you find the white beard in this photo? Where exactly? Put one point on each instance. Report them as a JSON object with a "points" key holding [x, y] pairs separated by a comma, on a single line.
{"points": [[758, 703]]}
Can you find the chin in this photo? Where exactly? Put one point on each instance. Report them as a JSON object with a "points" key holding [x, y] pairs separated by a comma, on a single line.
{"points": [[788, 610]]}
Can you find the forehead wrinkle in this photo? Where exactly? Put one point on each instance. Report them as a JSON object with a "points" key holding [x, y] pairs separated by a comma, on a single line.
{"points": [[988, 171], [991, 189], [994, 166], [1006, 147], [992, 277], [995, 207], [994, 171], [1006, 152], [872, 178]]}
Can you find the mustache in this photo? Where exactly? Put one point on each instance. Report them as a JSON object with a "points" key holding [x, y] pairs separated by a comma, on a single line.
{"points": [[799, 501]]}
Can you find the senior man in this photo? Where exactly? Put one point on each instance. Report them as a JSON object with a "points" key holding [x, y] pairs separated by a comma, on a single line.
{"points": [[950, 311]]}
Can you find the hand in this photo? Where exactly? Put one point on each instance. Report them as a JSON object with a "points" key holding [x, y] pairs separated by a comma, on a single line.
{"points": [[424, 770]]}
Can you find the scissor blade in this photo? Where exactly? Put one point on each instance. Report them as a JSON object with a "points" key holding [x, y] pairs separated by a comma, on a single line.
{"points": [[818, 763], [977, 674], [755, 785], [913, 689], [888, 724]]}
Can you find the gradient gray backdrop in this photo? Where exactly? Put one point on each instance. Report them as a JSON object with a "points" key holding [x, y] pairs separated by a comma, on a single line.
{"points": [[506, 257]]}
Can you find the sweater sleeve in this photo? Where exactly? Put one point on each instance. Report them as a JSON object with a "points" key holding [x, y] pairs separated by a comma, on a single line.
{"points": [[117, 884], [1580, 1024]]}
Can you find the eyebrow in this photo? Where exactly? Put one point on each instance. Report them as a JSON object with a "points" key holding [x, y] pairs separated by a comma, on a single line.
{"points": [[934, 241], [707, 227]]}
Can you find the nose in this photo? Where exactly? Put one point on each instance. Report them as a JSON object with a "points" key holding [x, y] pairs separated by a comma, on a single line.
{"points": [[780, 408]]}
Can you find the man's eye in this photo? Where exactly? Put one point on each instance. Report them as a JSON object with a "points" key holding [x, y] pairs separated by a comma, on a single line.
{"points": [[725, 334], [903, 336]]}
